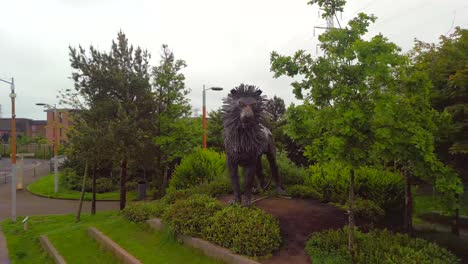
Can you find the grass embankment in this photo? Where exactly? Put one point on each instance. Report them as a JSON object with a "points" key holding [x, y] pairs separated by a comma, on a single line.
{"points": [[73, 243], [45, 187]]}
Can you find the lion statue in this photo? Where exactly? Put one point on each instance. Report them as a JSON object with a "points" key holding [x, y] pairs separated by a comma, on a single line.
{"points": [[246, 139]]}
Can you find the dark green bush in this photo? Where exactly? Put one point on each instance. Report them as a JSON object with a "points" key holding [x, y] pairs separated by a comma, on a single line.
{"points": [[104, 185], [366, 212], [289, 172], [174, 195], [247, 231], [302, 191], [377, 246], [191, 216], [70, 180], [202, 166], [385, 188], [215, 188], [139, 212]]}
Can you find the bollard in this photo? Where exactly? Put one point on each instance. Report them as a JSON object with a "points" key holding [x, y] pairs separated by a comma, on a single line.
{"points": [[25, 223]]}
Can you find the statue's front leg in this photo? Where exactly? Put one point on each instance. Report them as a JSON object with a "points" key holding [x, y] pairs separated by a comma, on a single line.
{"points": [[249, 179], [234, 176]]}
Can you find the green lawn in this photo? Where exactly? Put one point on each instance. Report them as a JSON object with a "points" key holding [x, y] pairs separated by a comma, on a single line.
{"points": [[426, 203], [45, 187], [73, 243]]}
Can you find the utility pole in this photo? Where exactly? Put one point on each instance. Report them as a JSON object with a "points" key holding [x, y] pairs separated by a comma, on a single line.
{"points": [[13, 148]]}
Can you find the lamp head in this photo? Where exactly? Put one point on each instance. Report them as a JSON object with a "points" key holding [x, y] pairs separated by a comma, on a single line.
{"points": [[216, 88]]}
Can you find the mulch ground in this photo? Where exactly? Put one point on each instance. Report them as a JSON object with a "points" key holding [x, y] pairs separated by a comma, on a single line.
{"points": [[298, 219]]}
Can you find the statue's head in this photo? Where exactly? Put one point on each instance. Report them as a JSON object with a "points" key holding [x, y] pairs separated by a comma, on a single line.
{"points": [[244, 104]]}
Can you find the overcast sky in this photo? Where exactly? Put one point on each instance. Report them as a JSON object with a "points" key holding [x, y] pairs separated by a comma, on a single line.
{"points": [[223, 42]]}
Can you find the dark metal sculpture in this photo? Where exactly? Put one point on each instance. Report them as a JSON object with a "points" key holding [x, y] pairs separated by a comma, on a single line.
{"points": [[246, 140]]}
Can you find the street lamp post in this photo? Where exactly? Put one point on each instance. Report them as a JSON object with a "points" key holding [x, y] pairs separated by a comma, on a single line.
{"points": [[13, 148], [56, 143], [204, 111]]}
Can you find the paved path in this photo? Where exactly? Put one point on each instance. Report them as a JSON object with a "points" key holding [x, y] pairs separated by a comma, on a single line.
{"points": [[29, 204]]}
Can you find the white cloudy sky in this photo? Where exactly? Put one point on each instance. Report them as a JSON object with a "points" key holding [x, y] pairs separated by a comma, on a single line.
{"points": [[223, 42]]}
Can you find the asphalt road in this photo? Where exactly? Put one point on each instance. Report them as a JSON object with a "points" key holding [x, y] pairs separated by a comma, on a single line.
{"points": [[29, 204]]}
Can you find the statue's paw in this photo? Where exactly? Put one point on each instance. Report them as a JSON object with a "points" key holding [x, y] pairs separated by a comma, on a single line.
{"points": [[281, 191]]}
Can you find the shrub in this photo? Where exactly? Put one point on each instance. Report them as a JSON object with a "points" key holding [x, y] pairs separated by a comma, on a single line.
{"points": [[302, 191], [104, 185], [289, 172], [139, 212], [247, 231], [190, 217], [377, 246], [71, 180], [175, 195], [202, 166], [385, 188], [366, 212], [215, 188]]}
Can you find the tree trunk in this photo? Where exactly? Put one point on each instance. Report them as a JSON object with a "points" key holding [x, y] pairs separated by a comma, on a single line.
{"points": [[93, 202], [455, 222], [408, 204], [165, 181], [80, 206], [123, 183], [351, 213]]}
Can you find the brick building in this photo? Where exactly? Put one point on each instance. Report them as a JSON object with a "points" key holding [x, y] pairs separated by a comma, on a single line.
{"points": [[63, 121], [24, 127]]}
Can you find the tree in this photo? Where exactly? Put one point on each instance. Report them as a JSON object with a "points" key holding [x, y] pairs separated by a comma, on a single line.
{"points": [[343, 86], [446, 65], [116, 92], [173, 136], [275, 106], [404, 128], [215, 129]]}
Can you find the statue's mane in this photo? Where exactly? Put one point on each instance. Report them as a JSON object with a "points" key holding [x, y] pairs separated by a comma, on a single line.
{"points": [[237, 138]]}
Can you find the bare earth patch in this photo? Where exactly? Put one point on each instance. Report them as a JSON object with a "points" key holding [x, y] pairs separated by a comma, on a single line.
{"points": [[298, 219]]}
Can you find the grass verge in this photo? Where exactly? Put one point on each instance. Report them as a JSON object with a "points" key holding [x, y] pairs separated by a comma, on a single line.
{"points": [[45, 187], [73, 243]]}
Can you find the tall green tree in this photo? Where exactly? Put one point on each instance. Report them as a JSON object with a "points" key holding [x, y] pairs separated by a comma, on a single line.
{"points": [[173, 136], [446, 64], [215, 129], [341, 90], [115, 89]]}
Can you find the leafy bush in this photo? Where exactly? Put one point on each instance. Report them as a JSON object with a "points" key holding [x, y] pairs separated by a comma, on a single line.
{"points": [[175, 195], [202, 166], [190, 217], [289, 172], [247, 231], [302, 191], [385, 188], [215, 188], [139, 212], [377, 246], [71, 180], [104, 185], [366, 212]]}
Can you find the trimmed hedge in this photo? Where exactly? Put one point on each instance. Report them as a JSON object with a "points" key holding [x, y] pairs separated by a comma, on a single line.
{"points": [[377, 246], [191, 216], [247, 231], [140, 212]]}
